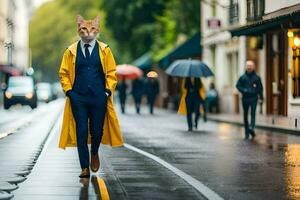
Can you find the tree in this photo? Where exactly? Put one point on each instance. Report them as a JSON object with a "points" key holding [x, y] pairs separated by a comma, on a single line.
{"points": [[132, 24], [143, 25], [53, 27], [180, 20]]}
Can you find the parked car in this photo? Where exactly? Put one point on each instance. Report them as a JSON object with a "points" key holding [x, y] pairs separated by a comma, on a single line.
{"points": [[44, 92], [20, 90], [57, 90]]}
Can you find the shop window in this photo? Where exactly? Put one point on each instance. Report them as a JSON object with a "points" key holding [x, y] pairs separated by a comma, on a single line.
{"points": [[295, 72], [233, 12], [255, 9]]}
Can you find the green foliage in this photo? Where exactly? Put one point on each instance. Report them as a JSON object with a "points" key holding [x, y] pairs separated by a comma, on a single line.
{"points": [[132, 24], [53, 28], [131, 28], [180, 19], [142, 25]]}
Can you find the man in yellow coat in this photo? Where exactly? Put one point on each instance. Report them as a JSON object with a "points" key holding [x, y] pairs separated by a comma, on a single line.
{"points": [[89, 114]]}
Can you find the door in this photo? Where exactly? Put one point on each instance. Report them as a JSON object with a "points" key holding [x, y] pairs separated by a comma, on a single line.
{"points": [[276, 76]]}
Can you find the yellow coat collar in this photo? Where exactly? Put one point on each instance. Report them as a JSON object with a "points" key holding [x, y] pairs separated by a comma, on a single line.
{"points": [[73, 47]]}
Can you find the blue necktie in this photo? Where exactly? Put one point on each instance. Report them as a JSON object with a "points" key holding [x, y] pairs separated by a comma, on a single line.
{"points": [[87, 52]]}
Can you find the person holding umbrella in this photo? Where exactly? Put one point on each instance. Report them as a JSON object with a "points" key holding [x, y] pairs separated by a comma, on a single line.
{"points": [[193, 94], [249, 84], [193, 91], [126, 72]]}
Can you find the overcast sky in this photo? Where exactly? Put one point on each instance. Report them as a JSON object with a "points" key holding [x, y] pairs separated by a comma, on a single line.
{"points": [[37, 3]]}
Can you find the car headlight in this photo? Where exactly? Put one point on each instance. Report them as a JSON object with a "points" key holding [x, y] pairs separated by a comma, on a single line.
{"points": [[29, 95], [8, 94]]}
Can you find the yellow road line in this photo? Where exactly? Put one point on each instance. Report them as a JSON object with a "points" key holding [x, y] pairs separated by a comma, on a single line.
{"points": [[103, 190]]}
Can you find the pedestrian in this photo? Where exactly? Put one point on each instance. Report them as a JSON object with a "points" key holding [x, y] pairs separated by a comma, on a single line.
{"points": [[152, 91], [137, 93], [192, 96], [250, 86], [212, 99], [88, 77], [122, 89]]}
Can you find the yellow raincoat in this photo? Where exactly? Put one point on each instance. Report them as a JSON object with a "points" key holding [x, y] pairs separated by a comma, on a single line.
{"points": [[111, 129], [182, 105]]}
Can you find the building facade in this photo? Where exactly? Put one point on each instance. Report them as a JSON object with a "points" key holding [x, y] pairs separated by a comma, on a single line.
{"points": [[23, 11], [267, 33], [14, 33], [7, 19], [224, 54]]}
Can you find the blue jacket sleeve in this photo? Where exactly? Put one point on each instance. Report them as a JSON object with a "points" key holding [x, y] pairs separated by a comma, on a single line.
{"points": [[240, 86]]}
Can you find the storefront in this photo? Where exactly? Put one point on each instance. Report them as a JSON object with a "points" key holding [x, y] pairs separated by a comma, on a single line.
{"points": [[278, 35]]}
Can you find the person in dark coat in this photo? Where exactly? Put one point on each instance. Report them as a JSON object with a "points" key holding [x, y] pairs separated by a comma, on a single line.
{"points": [[192, 100], [212, 99], [137, 93], [122, 87], [250, 86], [152, 91]]}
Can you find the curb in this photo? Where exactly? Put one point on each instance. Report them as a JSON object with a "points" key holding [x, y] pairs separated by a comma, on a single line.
{"points": [[260, 126]]}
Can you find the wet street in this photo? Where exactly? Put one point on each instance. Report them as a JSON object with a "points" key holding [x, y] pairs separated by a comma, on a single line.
{"points": [[160, 160]]}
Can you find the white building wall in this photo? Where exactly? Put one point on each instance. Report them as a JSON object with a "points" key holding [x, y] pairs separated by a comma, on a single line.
{"points": [[225, 45], [3, 31], [21, 34]]}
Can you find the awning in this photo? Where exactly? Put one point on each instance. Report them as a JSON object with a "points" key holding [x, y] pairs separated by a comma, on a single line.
{"points": [[143, 62], [10, 70], [188, 49], [290, 20]]}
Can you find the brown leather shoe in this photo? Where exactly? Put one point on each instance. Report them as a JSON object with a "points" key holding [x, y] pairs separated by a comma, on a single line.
{"points": [[85, 173], [95, 162]]}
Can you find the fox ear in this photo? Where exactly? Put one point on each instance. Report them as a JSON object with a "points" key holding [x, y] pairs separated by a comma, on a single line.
{"points": [[79, 20], [96, 21]]}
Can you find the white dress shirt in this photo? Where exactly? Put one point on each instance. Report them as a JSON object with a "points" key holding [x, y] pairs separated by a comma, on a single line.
{"points": [[90, 48]]}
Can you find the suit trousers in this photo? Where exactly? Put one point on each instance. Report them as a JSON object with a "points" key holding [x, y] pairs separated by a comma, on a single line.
{"points": [[252, 105], [192, 106], [89, 114]]}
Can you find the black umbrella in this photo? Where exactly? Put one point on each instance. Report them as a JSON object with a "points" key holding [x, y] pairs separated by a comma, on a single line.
{"points": [[189, 68]]}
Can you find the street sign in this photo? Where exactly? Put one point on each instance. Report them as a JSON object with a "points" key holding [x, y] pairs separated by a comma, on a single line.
{"points": [[214, 23]]}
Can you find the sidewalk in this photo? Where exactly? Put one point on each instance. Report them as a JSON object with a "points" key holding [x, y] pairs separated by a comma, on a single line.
{"points": [[124, 174], [289, 125]]}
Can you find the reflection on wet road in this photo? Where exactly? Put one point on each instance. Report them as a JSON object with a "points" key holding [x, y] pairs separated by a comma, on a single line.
{"points": [[218, 156]]}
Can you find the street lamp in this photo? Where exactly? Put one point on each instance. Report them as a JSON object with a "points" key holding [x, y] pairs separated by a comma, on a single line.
{"points": [[296, 41]]}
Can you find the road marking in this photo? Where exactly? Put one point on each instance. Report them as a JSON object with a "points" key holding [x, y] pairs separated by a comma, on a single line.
{"points": [[200, 187], [103, 190]]}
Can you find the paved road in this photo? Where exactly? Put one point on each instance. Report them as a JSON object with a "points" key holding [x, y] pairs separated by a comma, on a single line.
{"points": [[216, 156], [127, 175]]}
